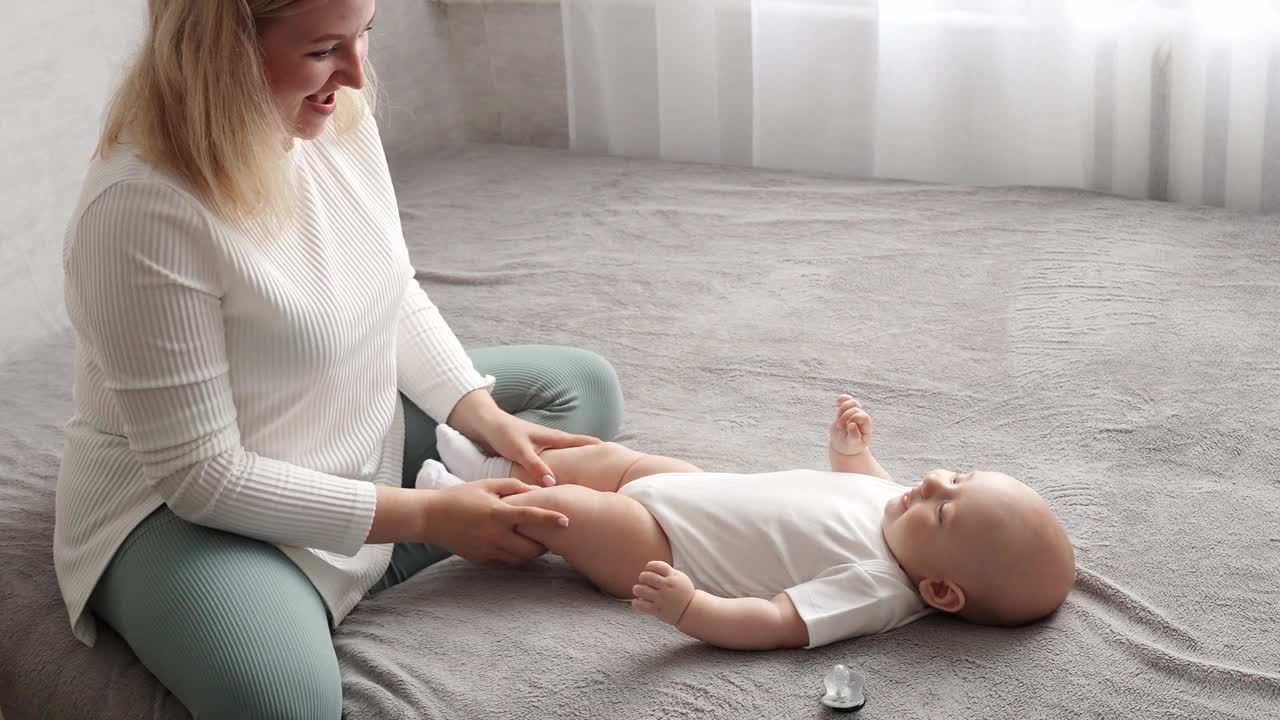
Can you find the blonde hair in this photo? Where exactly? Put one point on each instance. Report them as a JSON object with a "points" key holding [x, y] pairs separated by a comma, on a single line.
{"points": [[197, 103]]}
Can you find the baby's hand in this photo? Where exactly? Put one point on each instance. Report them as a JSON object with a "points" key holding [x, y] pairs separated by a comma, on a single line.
{"points": [[851, 430], [662, 591]]}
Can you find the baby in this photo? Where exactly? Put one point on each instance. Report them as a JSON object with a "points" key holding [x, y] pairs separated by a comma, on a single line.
{"points": [[799, 558]]}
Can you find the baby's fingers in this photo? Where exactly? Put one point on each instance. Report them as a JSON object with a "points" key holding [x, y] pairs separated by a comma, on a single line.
{"points": [[658, 567], [645, 606], [651, 579], [645, 592]]}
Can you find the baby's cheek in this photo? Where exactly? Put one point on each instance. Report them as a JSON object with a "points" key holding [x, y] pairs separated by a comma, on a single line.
{"points": [[918, 520]]}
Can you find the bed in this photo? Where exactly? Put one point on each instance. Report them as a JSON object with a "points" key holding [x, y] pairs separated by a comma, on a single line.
{"points": [[1118, 355]]}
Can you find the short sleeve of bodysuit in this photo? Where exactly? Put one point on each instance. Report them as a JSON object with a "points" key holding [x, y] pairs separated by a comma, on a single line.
{"points": [[860, 598]]}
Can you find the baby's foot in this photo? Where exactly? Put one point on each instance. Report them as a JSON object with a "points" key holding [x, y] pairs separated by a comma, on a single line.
{"points": [[465, 460], [662, 591], [434, 476]]}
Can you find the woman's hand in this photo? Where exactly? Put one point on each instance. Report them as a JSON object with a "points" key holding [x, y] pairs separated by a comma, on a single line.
{"points": [[479, 418], [471, 521], [520, 441]]}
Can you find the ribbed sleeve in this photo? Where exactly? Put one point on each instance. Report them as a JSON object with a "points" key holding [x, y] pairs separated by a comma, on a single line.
{"points": [[147, 296], [433, 369]]}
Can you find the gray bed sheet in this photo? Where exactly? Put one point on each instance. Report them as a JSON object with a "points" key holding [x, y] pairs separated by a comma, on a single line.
{"points": [[1120, 356]]}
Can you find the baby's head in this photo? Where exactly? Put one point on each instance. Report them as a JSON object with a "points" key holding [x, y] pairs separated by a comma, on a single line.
{"points": [[981, 545]]}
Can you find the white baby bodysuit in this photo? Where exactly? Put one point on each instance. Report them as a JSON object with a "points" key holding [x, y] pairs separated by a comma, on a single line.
{"points": [[815, 535]]}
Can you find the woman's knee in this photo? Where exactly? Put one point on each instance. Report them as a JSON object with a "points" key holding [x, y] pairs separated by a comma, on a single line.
{"points": [[270, 664], [563, 387], [236, 630], [297, 690], [600, 392]]}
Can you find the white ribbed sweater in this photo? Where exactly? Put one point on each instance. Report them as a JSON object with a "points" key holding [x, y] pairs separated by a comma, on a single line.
{"points": [[245, 377]]}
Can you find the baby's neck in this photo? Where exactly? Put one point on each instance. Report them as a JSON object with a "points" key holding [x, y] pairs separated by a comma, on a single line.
{"points": [[915, 578]]}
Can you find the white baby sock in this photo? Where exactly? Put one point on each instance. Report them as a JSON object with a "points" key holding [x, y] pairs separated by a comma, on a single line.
{"points": [[434, 476], [465, 460]]}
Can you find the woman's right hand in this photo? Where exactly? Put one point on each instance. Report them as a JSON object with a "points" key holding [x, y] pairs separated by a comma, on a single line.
{"points": [[471, 521]]}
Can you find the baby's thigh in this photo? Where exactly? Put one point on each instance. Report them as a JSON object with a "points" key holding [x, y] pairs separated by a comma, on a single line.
{"points": [[610, 537]]}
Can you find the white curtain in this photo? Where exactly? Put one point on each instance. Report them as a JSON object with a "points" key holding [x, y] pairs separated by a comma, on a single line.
{"points": [[1171, 99]]}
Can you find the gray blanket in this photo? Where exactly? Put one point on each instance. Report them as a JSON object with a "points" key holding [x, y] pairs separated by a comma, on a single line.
{"points": [[1119, 356]]}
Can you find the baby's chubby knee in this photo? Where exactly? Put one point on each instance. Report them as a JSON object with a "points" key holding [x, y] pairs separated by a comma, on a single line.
{"points": [[605, 451], [582, 505]]}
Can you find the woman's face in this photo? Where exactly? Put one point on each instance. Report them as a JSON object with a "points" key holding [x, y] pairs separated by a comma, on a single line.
{"points": [[310, 55]]}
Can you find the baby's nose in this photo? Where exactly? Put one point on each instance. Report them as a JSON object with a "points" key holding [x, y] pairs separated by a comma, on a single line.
{"points": [[931, 484]]}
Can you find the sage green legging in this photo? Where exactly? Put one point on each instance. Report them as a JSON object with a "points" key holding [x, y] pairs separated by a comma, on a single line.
{"points": [[232, 628]]}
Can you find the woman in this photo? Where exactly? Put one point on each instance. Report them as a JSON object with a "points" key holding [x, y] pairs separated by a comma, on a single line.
{"points": [[259, 375]]}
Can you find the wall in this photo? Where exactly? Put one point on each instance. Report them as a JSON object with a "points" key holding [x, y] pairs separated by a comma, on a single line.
{"points": [[68, 56], [67, 53], [509, 60]]}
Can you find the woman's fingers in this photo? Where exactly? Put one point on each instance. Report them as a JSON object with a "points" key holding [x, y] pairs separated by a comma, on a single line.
{"points": [[534, 465], [559, 439], [521, 514], [528, 515], [503, 487], [525, 454]]}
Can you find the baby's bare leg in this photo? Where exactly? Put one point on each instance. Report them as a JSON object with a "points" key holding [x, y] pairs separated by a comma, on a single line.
{"points": [[604, 467], [610, 537]]}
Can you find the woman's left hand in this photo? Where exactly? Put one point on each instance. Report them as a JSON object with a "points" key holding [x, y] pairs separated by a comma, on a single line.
{"points": [[479, 418], [520, 441]]}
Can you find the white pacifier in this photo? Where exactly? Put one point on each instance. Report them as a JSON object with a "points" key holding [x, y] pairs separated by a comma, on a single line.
{"points": [[844, 688]]}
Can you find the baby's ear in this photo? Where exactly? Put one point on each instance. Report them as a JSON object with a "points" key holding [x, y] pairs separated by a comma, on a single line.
{"points": [[942, 594]]}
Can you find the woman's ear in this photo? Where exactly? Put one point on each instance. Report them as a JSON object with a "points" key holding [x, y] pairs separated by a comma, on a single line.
{"points": [[942, 594]]}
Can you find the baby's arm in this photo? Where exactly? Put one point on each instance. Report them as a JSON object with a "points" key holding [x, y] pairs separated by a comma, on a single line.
{"points": [[850, 446], [744, 623], [733, 623], [864, 463]]}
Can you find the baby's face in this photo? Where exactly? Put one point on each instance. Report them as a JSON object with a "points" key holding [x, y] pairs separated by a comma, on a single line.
{"points": [[956, 525]]}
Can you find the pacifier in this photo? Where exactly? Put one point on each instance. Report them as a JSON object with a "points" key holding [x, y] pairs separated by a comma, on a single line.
{"points": [[844, 689]]}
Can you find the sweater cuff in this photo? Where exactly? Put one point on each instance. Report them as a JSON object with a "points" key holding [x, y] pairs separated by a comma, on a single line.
{"points": [[312, 509]]}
